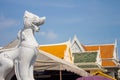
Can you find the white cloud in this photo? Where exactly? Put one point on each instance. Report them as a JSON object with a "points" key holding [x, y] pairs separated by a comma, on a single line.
{"points": [[6, 22], [50, 35], [42, 33]]}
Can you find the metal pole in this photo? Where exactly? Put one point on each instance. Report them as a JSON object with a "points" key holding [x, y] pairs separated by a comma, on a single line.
{"points": [[60, 73]]}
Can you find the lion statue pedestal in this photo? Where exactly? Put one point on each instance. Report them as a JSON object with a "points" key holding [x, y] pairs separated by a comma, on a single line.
{"points": [[20, 60]]}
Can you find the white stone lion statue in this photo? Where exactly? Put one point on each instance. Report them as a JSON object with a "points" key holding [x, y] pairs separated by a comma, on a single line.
{"points": [[20, 60]]}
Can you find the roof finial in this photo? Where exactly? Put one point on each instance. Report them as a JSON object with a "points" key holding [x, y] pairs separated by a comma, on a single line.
{"points": [[116, 42]]}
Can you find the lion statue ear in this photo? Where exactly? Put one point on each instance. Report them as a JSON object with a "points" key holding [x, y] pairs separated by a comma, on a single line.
{"points": [[27, 14]]}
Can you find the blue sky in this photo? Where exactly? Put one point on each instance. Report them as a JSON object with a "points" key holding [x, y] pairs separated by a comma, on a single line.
{"points": [[93, 21]]}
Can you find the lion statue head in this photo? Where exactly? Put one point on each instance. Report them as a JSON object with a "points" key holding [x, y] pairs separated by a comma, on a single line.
{"points": [[33, 21]]}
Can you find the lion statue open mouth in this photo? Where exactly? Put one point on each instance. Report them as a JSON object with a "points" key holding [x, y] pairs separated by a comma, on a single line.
{"points": [[20, 60], [32, 21]]}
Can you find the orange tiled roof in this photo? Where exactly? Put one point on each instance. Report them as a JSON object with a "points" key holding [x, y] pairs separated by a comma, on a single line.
{"points": [[57, 50], [106, 51], [107, 63], [91, 48]]}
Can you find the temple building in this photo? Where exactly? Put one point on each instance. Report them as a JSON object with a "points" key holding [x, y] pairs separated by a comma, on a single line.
{"points": [[56, 61], [101, 57], [71, 59]]}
